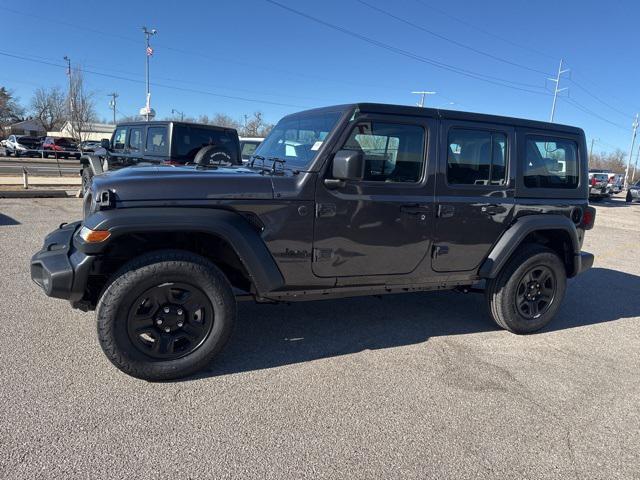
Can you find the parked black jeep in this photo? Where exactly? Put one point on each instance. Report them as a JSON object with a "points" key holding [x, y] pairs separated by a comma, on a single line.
{"points": [[349, 200], [162, 141]]}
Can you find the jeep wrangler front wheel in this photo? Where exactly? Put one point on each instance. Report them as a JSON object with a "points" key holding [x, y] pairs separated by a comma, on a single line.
{"points": [[165, 315], [527, 292]]}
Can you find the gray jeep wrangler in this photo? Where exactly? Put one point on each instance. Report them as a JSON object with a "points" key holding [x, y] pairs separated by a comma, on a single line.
{"points": [[363, 199]]}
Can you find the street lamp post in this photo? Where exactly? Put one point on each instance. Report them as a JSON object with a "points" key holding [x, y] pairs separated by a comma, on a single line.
{"points": [[422, 95], [148, 114], [174, 111]]}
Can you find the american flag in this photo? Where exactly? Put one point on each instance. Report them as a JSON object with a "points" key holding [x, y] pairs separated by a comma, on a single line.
{"points": [[149, 51]]}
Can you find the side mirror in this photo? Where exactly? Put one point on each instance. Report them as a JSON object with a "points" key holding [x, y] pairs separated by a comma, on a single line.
{"points": [[105, 143], [348, 165]]}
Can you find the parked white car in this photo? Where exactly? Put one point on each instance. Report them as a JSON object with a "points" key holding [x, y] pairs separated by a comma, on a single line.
{"points": [[248, 146], [23, 145]]}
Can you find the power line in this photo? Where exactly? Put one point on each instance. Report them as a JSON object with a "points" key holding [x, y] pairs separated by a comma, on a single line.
{"points": [[171, 87], [455, 42], [217, 59], [593, 95], [486, 32], [592, 113], [532, 50], [468, 73]]}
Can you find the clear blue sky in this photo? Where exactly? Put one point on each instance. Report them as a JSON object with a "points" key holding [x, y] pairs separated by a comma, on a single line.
{"points": [[237, 57]]}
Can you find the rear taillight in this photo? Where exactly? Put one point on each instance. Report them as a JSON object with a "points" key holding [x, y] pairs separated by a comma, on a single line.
{"points": [[593, 181], [588, 218]]}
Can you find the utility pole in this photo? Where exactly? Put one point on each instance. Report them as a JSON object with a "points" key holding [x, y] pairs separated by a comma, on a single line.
{"points": [[557, 89], [174, 111], [148, 52], [68, 60], [633, 142], [593, 140], [635, 165], [112, 104], [422, 95]]}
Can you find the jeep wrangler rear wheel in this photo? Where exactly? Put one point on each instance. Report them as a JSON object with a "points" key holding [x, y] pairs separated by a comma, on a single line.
{"points": [[165, 315], [527, 292]]}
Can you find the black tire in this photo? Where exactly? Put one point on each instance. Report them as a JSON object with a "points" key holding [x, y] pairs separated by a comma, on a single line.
{"points": [[157, 270], [629, 198], [512, 310], [45, 155], [213, 155], [87, 178], [7, 152]]}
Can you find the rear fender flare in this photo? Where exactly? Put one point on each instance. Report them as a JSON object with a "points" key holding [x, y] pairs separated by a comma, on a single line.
{"points": [[513, 237]]}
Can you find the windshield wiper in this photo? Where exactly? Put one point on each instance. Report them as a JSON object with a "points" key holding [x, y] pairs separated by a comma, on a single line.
{"points": [[257, 157], [275, 161]]}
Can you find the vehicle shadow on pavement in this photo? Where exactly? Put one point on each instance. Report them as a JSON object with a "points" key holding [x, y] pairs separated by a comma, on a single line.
{"points": [[268, 336], [612, 202], [5, 220]]}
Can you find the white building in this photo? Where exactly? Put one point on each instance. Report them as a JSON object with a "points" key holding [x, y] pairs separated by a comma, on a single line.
{"points": [[93, 131]]}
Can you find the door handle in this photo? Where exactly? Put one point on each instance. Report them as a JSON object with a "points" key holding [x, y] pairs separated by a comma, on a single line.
{"points": [[414, 209], [446, 211], [493, 209]]}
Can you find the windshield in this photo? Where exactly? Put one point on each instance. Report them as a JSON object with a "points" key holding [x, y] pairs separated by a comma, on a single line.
{"points": [[298, 138]]}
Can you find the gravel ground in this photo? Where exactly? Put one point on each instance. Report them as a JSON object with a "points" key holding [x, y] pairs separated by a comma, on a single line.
{"points": [[409, 386]]}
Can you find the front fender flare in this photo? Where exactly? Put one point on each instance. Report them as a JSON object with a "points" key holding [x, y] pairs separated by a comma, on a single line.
{"points": [[230, 226], [514, 236]]}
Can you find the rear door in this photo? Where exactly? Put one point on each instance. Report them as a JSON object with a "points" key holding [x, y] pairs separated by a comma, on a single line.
{"points": [[474, 193]]}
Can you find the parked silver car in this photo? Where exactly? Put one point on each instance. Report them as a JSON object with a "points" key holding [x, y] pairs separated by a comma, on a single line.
{"points": [[633, 193]]}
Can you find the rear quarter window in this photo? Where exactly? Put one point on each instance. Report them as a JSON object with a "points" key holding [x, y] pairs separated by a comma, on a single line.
{"points": [[188, 140], [551, 162]]}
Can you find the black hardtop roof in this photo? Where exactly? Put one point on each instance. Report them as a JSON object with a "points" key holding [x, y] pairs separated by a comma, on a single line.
{"points": [[446, 114], [175, 122]]}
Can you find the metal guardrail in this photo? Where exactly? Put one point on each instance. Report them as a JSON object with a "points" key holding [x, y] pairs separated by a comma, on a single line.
{"points": [[36, 168]]}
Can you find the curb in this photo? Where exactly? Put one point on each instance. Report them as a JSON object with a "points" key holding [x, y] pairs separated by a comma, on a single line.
{"points": [[33, 194]]}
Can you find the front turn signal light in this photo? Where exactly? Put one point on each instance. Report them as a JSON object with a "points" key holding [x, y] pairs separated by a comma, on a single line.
{"points": [[94, 236]]}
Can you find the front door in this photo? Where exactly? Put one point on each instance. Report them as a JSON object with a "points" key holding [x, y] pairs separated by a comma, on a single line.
{"points": [[381, 224], [474, 193]]}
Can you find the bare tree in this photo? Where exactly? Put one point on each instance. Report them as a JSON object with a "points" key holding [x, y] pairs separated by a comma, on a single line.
{"points": [[50, 107], [256, 126], [81, 105], [224, 120], [10, 110], [612, 161]]}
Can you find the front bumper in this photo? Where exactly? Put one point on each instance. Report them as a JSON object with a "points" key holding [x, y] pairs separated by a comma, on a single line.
{"points": [[59, 268]]}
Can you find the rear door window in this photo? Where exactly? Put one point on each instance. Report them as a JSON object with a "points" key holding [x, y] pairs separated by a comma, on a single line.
{"points": [[476, 157], [157, 140], [551, 162]]}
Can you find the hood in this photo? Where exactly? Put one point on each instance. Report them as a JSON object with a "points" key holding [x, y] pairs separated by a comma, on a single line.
{"points": [[171, 182]]}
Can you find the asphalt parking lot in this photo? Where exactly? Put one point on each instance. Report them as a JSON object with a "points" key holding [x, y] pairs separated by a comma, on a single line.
{"points": [[408, 386]]}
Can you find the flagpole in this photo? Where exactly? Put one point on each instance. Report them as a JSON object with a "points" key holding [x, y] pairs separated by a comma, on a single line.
{"points": [[147, 34]]}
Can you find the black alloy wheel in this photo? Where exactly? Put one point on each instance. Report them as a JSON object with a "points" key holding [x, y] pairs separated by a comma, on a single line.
{"points": [[536, 292], [170, 320]]}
